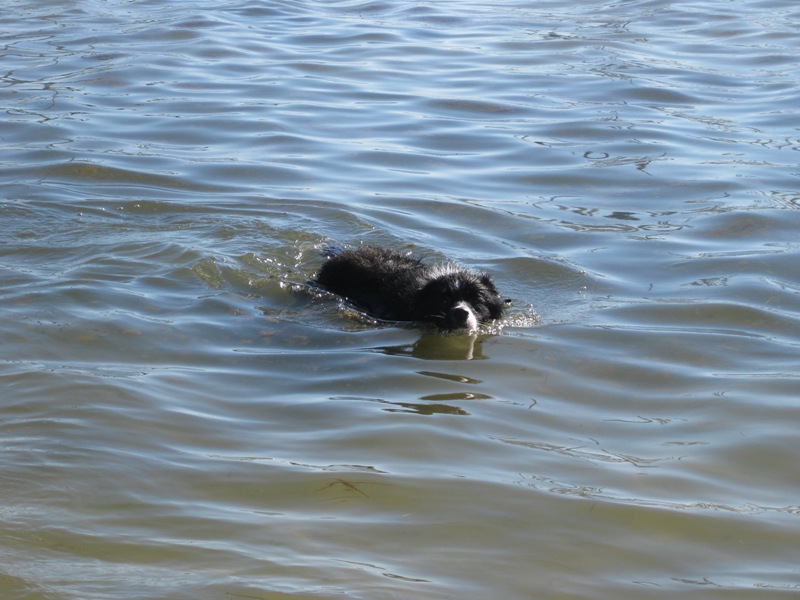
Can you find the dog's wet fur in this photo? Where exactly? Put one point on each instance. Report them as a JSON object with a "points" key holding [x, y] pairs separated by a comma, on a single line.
{"points": [[400, 287]]}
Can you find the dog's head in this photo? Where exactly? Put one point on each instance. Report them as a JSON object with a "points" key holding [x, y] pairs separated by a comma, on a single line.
{"points": [[459, 300]]}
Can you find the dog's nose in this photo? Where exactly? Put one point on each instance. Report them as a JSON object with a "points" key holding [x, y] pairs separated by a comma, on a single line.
{"points": [[459, 315], [460, 318]]}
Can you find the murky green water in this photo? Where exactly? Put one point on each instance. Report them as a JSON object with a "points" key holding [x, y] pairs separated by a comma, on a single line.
{"points": [[181, 417]]}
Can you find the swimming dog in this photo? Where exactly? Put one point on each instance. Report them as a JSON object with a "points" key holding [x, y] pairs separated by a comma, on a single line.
{"points": [[400, 287]]}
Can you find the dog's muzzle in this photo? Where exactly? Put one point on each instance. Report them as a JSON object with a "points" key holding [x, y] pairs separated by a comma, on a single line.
{"points": [[461, 316]]}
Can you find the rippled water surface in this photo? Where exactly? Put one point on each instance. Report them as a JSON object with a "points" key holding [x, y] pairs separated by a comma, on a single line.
{"points": [[183, 417]]}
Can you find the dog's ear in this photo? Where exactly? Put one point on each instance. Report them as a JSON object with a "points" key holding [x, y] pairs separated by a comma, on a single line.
{"points": [[486, 280], [494, 303], [496, 310]]}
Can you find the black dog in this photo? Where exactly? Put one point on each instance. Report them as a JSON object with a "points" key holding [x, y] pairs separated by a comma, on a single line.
{"points": [[398, 287]]}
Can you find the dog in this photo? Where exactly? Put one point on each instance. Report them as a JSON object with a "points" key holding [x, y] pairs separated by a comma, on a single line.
{"points": [[400, 287]]}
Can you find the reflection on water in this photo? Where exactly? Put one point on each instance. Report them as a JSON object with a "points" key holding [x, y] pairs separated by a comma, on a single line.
{"points": [[184, 416], [436, 346]]}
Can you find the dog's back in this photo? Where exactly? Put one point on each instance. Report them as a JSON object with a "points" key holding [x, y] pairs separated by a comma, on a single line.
{"points": [[381, 281]]}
